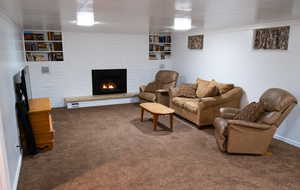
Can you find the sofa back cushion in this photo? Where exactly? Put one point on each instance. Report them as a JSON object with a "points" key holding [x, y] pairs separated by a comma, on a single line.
{"points": [[251, 112], [187, 90], [223, 87]]}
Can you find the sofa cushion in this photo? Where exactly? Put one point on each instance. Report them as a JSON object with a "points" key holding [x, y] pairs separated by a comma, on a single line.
{"points": [[190, 104], [208, 90], [179, 101], [269, 118], [251, 112], [187, 90], [148, 96], [223, 87], [151, 87]]}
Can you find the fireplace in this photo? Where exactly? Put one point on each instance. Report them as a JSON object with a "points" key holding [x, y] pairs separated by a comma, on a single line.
{"points": [[109, 81]]}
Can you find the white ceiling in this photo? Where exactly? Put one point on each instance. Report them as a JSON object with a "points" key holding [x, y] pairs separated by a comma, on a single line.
{"points": [[136, 16]]}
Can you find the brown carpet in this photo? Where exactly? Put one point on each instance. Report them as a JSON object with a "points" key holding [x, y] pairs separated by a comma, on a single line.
{"points": [[109, 148]]}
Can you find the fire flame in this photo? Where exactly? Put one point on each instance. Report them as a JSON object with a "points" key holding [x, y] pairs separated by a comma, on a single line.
{"points": [[108, 86]]}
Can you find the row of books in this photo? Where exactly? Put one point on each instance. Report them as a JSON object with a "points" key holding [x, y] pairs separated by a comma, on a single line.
{"points": [[51, 36], [159, 56], [154, 47], [34, 36], [42, 46], [159, 39], [54, 36], [54, 56]]}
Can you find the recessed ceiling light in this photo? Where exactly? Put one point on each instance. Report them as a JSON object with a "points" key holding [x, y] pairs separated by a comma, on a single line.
{"points": [[182, 23], [85, 18], [75, 22]]}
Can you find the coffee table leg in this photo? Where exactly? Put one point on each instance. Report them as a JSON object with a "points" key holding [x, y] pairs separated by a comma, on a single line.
{"points": [[142, 114], [155, 118], [171, 121]]}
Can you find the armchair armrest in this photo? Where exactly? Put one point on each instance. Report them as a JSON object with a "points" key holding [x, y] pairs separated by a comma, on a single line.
{"points": [[174, 92], [162, 91], [249, 124], [229, 113], [142, 88]]}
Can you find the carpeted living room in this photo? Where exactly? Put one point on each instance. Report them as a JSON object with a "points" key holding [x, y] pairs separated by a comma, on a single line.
{"points": [[152, 94]]}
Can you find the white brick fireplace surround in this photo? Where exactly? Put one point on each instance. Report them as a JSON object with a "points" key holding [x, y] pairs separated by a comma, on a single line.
{"points": [[86, 51]]}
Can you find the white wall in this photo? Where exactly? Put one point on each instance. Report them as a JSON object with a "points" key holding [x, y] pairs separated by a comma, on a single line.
{"points": [[86, 51], [11, 61], [4, 174], [228, 56]]}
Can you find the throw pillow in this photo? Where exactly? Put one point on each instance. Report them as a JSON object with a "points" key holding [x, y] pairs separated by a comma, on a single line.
{"points": [[201, 84], [223, 87], [187, 90], [208, 91], [151, 87], [251, 112]]}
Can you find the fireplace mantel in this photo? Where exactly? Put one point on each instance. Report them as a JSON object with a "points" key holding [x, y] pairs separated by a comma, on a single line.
{"points": [[87, 101]]}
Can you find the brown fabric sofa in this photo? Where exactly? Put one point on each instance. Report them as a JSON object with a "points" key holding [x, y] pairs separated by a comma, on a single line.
{"points": [[244, 137], [158, 90], [203, 111]]}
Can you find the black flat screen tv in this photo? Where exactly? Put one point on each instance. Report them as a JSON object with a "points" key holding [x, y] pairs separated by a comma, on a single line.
{"points": [[22, 86]]}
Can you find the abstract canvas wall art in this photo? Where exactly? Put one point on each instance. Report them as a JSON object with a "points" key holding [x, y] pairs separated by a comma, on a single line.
{"points": [[195, 42], [272, 38]]}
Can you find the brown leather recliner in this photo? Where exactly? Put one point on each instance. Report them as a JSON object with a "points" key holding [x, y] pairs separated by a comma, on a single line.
{"points": [[244, 137], [158, 90]]}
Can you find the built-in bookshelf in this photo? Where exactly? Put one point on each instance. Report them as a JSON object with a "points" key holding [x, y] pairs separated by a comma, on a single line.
{"points": [[43, 46], [159, 46]]}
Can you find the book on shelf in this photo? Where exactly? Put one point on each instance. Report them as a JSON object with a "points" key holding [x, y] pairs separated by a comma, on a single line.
{"points": [[33, 36], [167, 47], [54, 36], [156, 47], [168, 39], [56, 56], [41, 46], [36, 57], [150, 47], [162, 39], [57, 46], [152, 56], [52, 56], [162, 56], [161, 48], [57, 36]]}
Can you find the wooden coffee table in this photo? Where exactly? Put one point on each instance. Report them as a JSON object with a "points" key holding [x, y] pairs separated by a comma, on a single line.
{"points": [[157, 109]]}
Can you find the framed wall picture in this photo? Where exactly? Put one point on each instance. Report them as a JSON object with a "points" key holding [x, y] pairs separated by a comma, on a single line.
{"points": [[272, 38], [195, 42]]}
